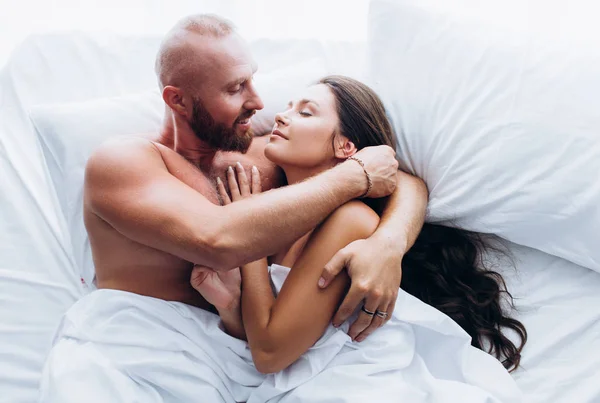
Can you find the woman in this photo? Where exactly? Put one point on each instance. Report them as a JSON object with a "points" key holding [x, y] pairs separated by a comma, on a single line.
{"points": [[336, 118]]}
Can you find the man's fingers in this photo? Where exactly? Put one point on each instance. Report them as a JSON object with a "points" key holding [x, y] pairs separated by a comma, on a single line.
{"points": [[390, 309], [375, 323], [353, 299], [333, 268], [222, 191], [234, 190], [256, 184], [364, 319], [391, 306], [243, 182]]}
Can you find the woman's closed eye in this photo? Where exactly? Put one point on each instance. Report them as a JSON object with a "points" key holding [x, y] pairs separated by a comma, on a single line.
{"points": [[305, 113]]}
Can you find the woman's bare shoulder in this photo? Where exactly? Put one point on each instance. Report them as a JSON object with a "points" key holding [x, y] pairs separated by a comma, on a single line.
{"points": [[355, 219]]}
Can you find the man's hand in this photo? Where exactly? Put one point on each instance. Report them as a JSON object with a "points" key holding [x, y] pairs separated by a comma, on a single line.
{"points": [[382, 167], [375, 269]]}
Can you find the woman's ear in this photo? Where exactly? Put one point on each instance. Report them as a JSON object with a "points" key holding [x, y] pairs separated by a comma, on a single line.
{"points": [[344, 148], [174, 99]]}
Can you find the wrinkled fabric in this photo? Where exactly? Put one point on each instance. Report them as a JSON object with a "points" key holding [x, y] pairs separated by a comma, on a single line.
{"points": [[122, 347]]}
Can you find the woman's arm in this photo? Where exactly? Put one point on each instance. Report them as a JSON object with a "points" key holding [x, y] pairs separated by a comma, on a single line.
{"points": [[280, 330], [375, 264]]}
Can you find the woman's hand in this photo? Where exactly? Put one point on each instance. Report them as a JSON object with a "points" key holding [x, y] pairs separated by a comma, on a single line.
{"points": [[241, 187], [222, 289]]}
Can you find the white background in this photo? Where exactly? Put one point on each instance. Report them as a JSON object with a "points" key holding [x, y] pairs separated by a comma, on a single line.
{"points": [[324, 19]]}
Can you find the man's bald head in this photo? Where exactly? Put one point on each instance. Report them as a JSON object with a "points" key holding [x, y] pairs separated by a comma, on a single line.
{"points": [[205, 74], [177, 62]]}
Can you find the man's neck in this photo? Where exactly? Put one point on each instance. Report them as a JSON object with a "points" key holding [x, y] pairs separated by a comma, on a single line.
{"points": [[183, 141]]}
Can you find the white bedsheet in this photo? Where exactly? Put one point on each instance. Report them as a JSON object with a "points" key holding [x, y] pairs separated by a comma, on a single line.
{"points": [[558, 300], [122, 347]]}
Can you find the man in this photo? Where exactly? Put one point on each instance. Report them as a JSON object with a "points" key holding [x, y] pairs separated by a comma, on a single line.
{"points": [[151, 207]]}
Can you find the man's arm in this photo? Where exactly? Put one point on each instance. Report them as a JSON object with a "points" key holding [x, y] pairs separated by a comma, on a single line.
{"points": [[128, 185], [404, 215], [375, 264]]}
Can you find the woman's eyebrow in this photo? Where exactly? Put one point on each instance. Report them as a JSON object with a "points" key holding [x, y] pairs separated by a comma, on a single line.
{"points": [[304, 101]]}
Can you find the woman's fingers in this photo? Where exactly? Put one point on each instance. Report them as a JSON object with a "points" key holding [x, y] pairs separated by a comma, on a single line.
{"points": [[256, 184], [223, 192], [234, 189], [243, 182], [239, 185]]}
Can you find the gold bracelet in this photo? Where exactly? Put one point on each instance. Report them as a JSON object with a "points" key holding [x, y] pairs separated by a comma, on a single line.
{"points": [[369, 181]]}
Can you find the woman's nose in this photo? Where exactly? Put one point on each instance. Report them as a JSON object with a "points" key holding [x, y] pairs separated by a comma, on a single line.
{"points": [[280, 119]]}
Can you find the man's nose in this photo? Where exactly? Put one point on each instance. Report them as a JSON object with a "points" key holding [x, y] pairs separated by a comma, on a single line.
{"points": [[254, 102]]}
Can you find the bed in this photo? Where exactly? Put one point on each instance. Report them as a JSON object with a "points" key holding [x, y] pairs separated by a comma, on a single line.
{"points": [[45, 262]]}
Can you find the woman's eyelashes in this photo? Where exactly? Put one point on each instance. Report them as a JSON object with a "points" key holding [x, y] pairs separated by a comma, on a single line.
{"points": [[299, 108]]}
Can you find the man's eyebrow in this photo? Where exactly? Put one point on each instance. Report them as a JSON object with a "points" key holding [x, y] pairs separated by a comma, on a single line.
{"points": [[238, 81], [304, 101], [242, 79]]}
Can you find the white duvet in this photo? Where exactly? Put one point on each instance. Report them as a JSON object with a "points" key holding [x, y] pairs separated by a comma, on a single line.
{"points": [[122, 347]]}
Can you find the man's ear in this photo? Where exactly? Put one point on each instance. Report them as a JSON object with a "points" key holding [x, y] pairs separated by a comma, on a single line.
{"points": [[174, 99], [344, 148]]}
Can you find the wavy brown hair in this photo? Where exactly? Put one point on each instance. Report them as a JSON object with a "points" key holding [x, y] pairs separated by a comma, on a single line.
{"points": [[444, 267]]}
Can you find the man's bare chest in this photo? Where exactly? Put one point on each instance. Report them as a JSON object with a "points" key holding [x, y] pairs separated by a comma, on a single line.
{"points": [[202, 180]]}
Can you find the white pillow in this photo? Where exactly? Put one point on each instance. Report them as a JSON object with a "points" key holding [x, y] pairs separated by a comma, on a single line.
{"points": [[70, 132], [497, 109]]}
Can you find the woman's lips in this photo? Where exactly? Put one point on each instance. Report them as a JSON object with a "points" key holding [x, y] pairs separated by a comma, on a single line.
{"points": [[278, 134]]}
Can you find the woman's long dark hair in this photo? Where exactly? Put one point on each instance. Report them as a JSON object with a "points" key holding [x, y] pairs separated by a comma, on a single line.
{"points": [[444, 267]]}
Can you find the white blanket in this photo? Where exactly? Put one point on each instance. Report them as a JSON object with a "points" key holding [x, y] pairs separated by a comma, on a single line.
{"points": [[122, 347]]}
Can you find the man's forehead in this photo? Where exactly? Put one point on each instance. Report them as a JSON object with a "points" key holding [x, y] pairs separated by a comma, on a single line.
{"points": [[228, 49], [241, 73], [228, 55]]}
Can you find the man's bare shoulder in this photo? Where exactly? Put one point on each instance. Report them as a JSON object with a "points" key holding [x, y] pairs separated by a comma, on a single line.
{"points": [[125, 150], [123, 158]]}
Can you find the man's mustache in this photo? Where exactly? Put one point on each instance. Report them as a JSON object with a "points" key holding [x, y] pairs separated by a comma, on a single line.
{"points": [[245, 116]]}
